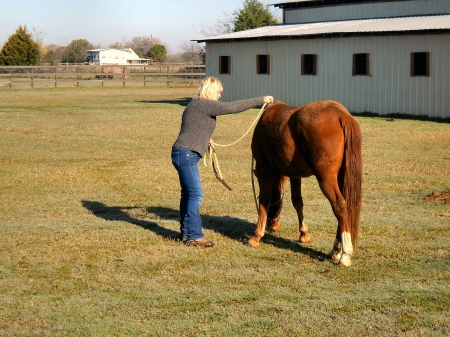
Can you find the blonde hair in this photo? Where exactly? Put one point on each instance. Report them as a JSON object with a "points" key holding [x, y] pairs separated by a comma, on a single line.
{"points": [[209, 88]]}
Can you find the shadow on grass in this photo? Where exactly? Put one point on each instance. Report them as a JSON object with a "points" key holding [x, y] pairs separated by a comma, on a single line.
{"points": [[233, 228], [180, 101]]}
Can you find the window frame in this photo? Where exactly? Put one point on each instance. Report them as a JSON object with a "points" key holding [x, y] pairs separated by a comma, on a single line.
{"points": [[314, 65], [355, 68], [259, 63], [221, 65], [413, 70]]}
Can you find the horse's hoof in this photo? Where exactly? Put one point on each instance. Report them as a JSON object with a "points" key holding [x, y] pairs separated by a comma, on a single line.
{"points": [[273, 227], [253, 243], [345, 260], [304, 238], [336, 256]]}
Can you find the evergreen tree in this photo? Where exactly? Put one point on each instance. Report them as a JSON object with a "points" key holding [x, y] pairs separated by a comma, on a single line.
{"points": [[76, 51], [253, 15], [19, 49], [158, 53]]}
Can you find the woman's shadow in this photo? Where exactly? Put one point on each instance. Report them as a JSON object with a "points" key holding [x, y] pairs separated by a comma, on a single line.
{"points": [[233, 228]]}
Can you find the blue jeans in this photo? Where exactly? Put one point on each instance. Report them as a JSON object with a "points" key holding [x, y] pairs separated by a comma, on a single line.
{"points": [[185, 162]]}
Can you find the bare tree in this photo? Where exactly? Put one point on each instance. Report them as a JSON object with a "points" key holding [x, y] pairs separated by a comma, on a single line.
{"points": [[219, 27], [38, 37], [140, 44], [191, 52], [254, 14], [117, 45]]}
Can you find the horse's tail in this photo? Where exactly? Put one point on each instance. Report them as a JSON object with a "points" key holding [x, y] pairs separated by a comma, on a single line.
{"points": [[351, 170]]}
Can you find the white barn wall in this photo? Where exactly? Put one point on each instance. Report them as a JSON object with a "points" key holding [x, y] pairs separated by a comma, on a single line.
{"points": [[366, 11], [389, 89]]}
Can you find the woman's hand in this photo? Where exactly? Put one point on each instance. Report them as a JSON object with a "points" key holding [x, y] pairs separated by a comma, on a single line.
{"points": [[268, 99]]}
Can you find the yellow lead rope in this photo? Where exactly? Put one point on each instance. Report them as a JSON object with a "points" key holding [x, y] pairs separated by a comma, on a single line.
{"points": [[210, 158]]}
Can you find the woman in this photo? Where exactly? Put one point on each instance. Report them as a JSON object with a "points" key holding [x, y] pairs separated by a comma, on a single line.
{"points": [[197, 125]]}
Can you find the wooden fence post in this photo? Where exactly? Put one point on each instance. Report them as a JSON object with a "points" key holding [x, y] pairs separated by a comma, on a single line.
{"points": [[145, 82]]}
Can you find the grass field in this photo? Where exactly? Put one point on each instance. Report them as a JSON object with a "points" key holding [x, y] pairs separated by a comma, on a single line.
{"points": [[88, 221]]}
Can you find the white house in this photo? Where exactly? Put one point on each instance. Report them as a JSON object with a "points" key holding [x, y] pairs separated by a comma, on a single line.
{"points": [[381, 56], [114, 56]]}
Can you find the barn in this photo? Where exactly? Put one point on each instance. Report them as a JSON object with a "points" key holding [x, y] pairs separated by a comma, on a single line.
{"points": [[382, 56]]}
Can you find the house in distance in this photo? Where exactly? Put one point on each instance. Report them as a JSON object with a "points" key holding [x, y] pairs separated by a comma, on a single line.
{"points": [[380, 56], [114, 57]]}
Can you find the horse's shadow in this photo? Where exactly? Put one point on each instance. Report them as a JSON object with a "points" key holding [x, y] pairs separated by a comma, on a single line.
{"points": [[183, 101], [233, 228]]}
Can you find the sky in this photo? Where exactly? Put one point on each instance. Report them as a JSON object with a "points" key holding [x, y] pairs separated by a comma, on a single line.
{"points": [[104, 22]]}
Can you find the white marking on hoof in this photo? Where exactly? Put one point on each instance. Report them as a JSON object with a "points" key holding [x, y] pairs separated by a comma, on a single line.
{"points": [[346, 260], [347, 247], [336, 256]]}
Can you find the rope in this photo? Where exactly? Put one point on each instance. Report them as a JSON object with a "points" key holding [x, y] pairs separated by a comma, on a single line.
{"points": [[210, 158]]}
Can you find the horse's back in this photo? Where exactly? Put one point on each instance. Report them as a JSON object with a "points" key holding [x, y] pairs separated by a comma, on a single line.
{"points": [[290, 139]]}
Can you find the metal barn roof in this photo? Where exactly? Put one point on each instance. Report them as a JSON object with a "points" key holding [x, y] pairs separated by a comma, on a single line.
{"points": [[367, 26], [281, 3], [288, 1]]}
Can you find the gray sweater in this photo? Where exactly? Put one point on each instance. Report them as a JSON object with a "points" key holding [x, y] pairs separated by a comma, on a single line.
{"points": [[199, 121]]}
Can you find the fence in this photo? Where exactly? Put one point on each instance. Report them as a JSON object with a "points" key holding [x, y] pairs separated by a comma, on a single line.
{"points": [[79, 75]]}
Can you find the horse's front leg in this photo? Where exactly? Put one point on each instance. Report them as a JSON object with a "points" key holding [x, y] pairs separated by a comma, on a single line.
{"points": [[265, 191], [297, 201]]}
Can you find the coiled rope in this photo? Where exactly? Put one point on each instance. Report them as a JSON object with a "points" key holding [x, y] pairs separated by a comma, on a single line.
{"points": [[210, 158]]}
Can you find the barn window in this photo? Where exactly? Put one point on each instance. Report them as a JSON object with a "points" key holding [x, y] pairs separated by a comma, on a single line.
{"points": [[420, 64], [361, 65], [263, 64], [224, 64], [309, 64]]}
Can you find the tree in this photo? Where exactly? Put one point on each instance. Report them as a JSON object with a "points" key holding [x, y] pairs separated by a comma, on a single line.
{"points": [[38, 37], [19, 49], [116, 45], [76, 51], [253, 15], [202, 53], [158, 53], [191, 52], [50, 57], [140, 44]]}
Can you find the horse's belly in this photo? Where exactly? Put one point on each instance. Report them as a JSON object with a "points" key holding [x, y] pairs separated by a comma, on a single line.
{"points": [[295, 170]]}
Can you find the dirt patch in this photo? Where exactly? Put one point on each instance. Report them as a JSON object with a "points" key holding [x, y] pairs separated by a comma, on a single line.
{"points": [[443, 197]]}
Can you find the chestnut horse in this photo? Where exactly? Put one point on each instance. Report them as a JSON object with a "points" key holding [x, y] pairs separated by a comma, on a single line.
{"points": [[320, 139]]}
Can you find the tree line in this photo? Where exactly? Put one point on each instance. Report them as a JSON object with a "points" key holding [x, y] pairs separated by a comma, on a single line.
{"points": [[26, 47]]}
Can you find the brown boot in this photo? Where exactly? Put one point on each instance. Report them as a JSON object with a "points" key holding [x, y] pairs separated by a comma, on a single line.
{"points": [[202, 242]]}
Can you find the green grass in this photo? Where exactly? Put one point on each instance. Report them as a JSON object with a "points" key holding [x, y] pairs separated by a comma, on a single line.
{"points": [[88, 216]]}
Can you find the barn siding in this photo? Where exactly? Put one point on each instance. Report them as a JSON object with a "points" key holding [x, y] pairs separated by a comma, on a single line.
{"points": [[389, 89], [366, 11]]}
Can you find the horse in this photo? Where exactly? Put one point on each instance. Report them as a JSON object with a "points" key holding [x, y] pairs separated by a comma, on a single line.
{"points": [[322, 139]]}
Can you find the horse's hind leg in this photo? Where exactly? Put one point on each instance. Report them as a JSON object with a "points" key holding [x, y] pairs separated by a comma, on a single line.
{"points": [[297, 201], [342, 247], [265, 191], [276, 203]]}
